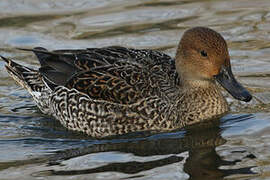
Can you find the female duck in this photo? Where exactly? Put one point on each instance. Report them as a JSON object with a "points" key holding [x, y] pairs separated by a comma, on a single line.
{"points": [[116, 90]]}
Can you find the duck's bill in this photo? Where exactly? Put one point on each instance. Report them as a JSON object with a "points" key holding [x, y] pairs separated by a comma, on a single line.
{"points": [[228, 82]]}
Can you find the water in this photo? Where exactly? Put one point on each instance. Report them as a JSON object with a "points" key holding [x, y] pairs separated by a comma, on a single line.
{"points": [[33, 146]]}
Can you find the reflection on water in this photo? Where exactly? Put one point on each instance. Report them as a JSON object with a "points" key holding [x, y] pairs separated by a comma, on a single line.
{"points": [[146, 153], [203, 162], [33, 146]]}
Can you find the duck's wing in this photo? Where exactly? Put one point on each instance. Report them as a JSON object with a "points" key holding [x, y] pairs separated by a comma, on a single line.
{"points": [[115, 74], [123, 84]]}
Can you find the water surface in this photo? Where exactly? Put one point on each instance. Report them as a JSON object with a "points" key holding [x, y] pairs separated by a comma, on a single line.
{"points": [[33, 146]]}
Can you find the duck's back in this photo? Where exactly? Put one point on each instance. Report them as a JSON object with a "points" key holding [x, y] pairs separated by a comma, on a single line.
{"points": [[114, 74]]}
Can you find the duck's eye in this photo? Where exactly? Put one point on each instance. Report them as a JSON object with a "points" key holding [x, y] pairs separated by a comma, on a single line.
{"points": [[203, 53]]}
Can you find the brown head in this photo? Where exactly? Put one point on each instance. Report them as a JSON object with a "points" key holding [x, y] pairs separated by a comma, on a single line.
{"points": [[203, 55]]}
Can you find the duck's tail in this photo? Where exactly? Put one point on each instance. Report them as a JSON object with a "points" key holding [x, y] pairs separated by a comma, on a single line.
{"points": [[26, 77]]}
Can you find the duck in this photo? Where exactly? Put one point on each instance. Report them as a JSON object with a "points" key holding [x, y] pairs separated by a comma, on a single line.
{"points": [[116, 90]]}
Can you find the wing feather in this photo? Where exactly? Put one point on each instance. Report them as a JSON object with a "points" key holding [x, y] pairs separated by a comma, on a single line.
{"points": [[116, 74]]}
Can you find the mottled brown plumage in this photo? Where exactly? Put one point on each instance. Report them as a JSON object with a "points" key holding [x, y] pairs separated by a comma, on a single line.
{"points": [[116, 90]]}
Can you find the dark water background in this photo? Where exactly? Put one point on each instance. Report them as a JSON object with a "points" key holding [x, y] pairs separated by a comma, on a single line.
{"points": [[33, 146]]}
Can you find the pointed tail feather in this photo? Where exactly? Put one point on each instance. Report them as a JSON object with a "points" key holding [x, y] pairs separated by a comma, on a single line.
{"points": [[28, 78]]}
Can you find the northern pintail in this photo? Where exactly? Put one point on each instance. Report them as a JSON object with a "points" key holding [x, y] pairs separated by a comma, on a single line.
{"points": [[116, 90]]}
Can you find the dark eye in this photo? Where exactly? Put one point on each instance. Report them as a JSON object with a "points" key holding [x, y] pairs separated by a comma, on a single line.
{"points": [[203, 53]]}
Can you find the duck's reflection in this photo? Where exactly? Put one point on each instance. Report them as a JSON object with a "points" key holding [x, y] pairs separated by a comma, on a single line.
{"points": [[202, 163]]}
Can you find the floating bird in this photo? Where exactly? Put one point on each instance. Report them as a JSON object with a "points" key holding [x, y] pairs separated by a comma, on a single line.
{"points": [[116, 90]]}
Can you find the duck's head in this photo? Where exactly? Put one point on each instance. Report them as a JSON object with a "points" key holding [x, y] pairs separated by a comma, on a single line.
{"points": [[203, 55]]}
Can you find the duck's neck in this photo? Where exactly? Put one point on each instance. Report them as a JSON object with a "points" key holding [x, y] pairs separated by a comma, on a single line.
{"points": [[200, 100]]}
